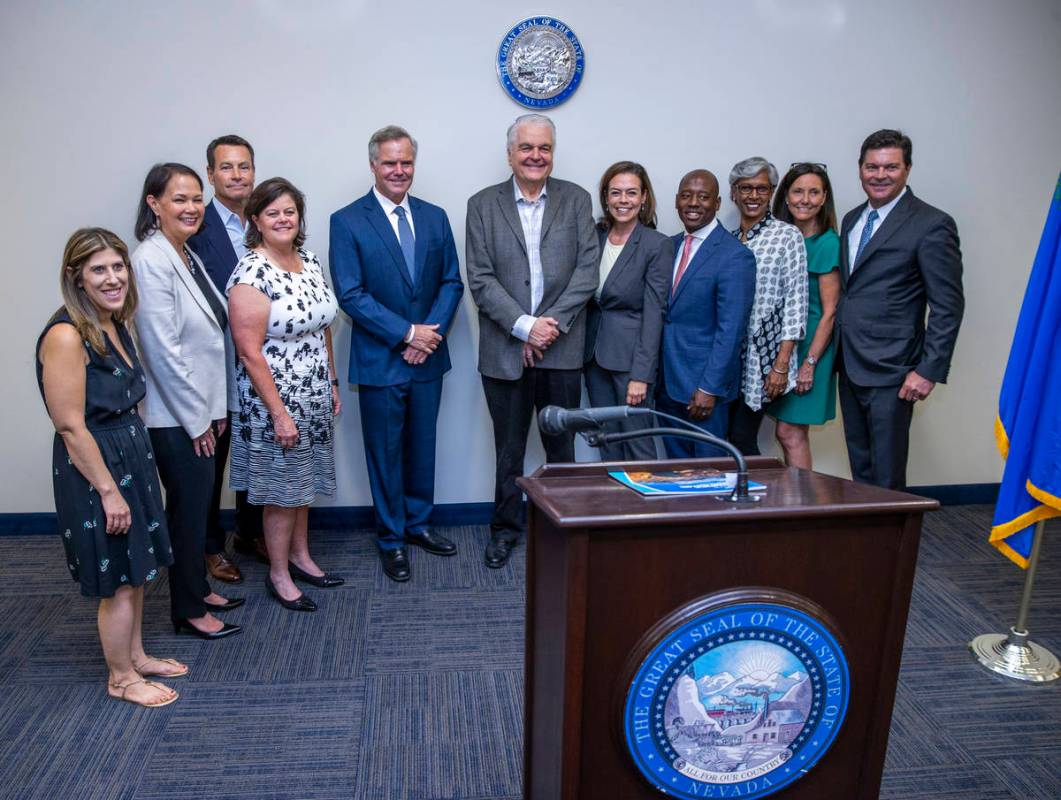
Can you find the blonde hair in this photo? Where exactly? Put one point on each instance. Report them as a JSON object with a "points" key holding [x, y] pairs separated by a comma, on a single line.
{"points": [[82, 245]]}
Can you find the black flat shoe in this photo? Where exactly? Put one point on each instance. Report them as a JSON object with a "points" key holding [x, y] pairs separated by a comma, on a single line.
{"points": [[228, 605], [497, 552], [432, 543], [183, 626], [395, 564], [324, 581], [300, 603]]}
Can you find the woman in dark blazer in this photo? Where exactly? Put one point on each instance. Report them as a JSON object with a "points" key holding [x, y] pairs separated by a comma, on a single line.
{"points": [[626, 312], [182, 325]]}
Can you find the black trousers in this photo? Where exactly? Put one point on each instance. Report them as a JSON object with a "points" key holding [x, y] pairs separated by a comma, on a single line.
{"points": [[188, 480], [248, 517], [511, 405], [744, 424], [877, 430], [608, 388]]}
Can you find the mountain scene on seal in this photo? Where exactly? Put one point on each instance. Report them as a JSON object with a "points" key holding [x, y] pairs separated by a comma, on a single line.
{"points": [[738, 707]]}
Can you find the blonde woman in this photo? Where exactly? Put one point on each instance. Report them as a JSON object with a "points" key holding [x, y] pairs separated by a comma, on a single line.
{"points": [[107, 496]]}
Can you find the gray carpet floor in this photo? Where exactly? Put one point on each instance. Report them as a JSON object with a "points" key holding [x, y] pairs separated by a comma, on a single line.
{"points": [[414, 691]]}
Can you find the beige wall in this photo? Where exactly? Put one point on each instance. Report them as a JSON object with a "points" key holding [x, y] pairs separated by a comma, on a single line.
{"points": [[93, 93]]}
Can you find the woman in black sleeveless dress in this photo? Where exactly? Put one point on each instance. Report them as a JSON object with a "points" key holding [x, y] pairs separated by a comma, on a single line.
{"points": [[107, 496]]}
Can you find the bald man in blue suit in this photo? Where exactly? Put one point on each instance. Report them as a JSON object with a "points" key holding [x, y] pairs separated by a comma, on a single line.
{"points": [[712, 289], [395, 271]]}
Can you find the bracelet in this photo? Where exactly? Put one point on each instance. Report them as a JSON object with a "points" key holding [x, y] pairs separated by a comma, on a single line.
{"points": [[779, 371], [335, 382]]}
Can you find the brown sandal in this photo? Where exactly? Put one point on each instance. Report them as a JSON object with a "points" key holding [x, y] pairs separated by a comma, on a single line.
{"points": [[125, 687], [183, 668]]}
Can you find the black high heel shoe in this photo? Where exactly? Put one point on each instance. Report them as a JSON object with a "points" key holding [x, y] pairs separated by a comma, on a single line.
{"points": [[228, 605], [324, 581], [300, 603], [183, 626]]}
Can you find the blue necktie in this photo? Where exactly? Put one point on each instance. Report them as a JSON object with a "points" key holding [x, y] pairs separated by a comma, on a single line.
{"points": [[408, 243], [863, 240]]}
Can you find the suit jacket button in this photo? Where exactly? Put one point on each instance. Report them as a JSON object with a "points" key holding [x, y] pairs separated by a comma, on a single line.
{"points": [[526, 283]]}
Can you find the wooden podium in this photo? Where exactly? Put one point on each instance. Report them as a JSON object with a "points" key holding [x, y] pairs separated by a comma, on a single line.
{"points": [[605, 565]]}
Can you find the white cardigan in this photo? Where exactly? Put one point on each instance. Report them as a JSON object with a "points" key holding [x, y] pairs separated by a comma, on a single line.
{"points": [[187, 358]]}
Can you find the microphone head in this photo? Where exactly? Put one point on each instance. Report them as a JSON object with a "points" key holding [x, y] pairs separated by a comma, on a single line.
{"points": [[551, 420]]}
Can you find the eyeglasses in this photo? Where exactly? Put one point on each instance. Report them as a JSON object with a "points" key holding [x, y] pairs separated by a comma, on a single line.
{"points": [[823, 167], [747, 190]]}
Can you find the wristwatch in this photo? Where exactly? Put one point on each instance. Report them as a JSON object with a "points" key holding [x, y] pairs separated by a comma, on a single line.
{"points": [[811, 360]]}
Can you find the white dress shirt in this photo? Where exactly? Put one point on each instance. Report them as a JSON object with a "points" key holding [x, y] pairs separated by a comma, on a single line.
{"points": [[609, 254], [530, 217], [860, 223], [234, 227]]}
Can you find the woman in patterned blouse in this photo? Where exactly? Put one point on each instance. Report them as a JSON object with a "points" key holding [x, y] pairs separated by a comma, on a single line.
{"points": [[779, 313]]}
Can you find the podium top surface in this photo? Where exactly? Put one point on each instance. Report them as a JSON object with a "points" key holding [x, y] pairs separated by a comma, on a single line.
{"points": [[583, 495]]}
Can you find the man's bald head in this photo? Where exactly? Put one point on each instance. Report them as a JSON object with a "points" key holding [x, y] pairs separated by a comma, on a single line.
{"points": [[697, 200]]}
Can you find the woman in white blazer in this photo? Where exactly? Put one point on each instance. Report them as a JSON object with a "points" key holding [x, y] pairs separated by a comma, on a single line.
{"points": [[182, 326]]}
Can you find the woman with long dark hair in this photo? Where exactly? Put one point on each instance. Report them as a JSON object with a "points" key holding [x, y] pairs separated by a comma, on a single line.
{"points": [[182, 323], [805, 199]]}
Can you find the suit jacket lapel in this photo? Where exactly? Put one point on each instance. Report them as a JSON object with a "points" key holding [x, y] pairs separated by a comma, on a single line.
{"points": [[506, 200], [420, 255], [552, 200], [891, 224], [373, 211], [845, 234], [703, 253], [624, 258], [185, 277]]}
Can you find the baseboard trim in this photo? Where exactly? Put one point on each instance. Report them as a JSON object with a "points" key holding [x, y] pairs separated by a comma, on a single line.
{"points": [[323, 518], [450, 514]]}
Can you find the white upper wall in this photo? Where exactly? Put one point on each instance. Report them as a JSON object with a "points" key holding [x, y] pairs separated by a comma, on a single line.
{"points": [[94, 93]]}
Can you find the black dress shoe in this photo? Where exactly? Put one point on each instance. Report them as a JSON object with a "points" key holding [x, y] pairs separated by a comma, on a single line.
{"points": [[395, 564], [251, 547], [497, 552], [228, 605], [432, 543], [183, 626], [300, 603], [324, 581]]}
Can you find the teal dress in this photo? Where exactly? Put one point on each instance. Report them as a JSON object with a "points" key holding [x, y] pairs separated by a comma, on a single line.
{"points": [[817, 406]]}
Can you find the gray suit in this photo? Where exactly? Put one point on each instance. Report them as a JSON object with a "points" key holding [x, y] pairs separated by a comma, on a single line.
{"points": [[499, 279], [499, 274], [623, 331]]}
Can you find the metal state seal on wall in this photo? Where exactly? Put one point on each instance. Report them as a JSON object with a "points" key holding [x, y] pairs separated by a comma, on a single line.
{"points": [[737, 701], [540, 62]]}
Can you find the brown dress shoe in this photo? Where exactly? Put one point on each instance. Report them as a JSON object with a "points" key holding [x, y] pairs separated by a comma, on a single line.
{"points": [[218, 565]]}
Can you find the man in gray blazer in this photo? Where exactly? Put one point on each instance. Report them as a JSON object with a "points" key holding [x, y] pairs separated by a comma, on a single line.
{"points": [[532, 258], [898, 255]]}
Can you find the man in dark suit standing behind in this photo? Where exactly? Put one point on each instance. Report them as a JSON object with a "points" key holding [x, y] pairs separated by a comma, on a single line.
{"points": [[219, 244], [532, 266], [897, 256], [712, 289], [395, 271]]}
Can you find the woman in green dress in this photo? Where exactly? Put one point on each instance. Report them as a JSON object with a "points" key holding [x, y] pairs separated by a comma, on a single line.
{"points": [[805, 199]]}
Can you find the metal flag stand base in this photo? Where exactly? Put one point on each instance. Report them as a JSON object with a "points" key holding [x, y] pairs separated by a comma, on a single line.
{"points": [[1014, 654]]}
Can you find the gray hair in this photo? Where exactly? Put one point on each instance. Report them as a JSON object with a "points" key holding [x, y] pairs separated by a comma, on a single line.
{"points": [[390, 133], [529, 119], [750, 167]]}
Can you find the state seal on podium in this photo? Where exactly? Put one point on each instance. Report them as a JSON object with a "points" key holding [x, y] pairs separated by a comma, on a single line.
{"points": [[736, 698], [540, 62]]}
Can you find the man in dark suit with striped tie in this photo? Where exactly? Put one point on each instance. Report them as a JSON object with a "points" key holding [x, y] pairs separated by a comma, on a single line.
{"points": [[898, 257], [395, 271]]}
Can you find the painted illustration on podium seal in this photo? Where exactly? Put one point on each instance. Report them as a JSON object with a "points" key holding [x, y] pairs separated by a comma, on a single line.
{"points": [[540, 62], [738, 702]]}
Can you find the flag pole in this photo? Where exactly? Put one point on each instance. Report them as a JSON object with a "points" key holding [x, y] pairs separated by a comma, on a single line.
{"points": [[1014, 654]]}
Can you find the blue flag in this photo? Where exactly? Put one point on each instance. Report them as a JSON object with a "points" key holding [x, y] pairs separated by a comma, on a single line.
{"points": [[1028, 427]]}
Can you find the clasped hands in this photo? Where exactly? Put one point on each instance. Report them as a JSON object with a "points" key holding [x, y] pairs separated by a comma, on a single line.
{"points": [[543, 333], [425, 341]]}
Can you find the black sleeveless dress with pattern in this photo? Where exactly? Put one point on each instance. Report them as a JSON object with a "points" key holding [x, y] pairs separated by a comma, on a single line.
{"points": [[101, 562]]}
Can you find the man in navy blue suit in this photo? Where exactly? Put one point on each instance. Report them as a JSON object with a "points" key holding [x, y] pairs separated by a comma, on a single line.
{"points": [[712, 289], [219, 243], [395, 271]]}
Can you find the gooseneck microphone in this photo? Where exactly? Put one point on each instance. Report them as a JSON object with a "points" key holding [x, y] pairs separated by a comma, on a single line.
{"points": [[554, 420]]}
